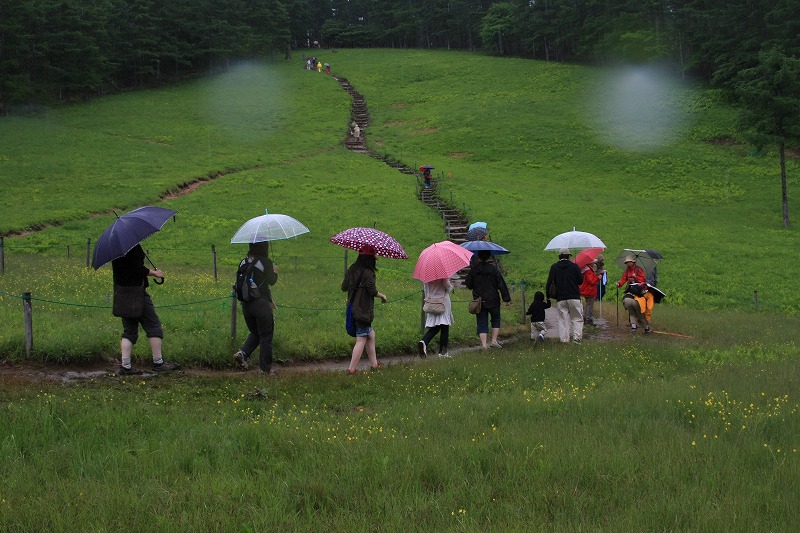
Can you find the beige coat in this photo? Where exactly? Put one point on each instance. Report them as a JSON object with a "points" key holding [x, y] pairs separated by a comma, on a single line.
{"points": [[439, 288]]}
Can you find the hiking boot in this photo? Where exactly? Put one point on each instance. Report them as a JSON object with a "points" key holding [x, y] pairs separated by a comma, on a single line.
{"points": [[164, 366], [422, 349], [647, 329], [633, 328], [241, 360], [129, 371]]}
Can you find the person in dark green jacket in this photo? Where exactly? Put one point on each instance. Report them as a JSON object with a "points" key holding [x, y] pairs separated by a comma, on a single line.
{"points": [[360, 284]]}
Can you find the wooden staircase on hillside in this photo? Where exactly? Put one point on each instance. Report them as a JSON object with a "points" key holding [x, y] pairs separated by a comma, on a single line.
{"points": [[455, 222]]}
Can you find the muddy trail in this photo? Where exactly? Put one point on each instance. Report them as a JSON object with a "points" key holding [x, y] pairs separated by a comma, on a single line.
{"points": [[26, 374]]}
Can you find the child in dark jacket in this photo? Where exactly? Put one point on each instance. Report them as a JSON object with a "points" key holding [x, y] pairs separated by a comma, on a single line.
{"points": [[536, 310]]}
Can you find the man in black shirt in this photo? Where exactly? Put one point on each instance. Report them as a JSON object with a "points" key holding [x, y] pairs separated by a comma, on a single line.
{"points": [[130, 271]]}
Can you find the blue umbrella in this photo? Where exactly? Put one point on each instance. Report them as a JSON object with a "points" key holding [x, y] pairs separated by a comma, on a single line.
{"points": [[477, 225], [477, 246], [127, 231], [476, 234]]}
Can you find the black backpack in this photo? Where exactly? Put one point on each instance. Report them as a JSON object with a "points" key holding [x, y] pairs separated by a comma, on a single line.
{"points": [[246, 288]]}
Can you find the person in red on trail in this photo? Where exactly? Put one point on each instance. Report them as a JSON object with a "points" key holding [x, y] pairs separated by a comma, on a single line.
{"points": [[633, 273], [638, 300], [426, 175]]}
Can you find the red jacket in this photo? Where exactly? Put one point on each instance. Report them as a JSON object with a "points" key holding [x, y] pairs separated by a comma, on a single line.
{"points": [[632, 274], [589, 286]]}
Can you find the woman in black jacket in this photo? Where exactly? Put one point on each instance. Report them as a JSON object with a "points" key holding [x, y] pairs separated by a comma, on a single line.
{"points": [[486, 282], [258, 312]]}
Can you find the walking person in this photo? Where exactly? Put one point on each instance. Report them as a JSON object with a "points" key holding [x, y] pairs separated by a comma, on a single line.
{"points": [[537, 312], [437, 323], [487, 283], [257, 311], [564, 280], [588, 290], [360, 284], [130, 271]]}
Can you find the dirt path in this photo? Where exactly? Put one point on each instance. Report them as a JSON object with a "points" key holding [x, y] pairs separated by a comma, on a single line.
{"points": [[27, 374]]}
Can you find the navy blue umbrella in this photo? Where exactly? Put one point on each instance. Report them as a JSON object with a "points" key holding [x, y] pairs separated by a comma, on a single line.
{"points": [[127, 231], [477, 246]]}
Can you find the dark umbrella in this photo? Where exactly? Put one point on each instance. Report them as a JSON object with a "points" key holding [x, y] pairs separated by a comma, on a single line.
{"points": [[477, 246], [127, 231], [647, 259], [477, 234]]}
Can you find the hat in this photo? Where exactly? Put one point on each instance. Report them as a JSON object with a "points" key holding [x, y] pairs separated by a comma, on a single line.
{"points": [[564, 251], [367, 249], [629, 259]]}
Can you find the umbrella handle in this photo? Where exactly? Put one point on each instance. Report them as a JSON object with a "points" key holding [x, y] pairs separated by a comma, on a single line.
{"points": [[155, 280]]}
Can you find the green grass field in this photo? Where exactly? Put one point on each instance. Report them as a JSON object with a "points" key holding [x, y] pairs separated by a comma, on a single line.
{"points": [[695, 431], [520, 144]]}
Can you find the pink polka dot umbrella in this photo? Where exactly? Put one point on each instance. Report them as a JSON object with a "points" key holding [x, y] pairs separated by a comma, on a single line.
{"points": [[357, 238]]}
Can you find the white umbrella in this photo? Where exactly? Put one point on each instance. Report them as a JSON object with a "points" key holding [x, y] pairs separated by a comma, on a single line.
{"points": [[575, 240], [268, 228]]}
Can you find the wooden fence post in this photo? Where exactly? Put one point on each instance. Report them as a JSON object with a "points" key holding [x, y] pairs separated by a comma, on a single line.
{"points": [[233, 314], [88, 253], [522, 289], [27, 311], [755, 299], [2, 256], [214, 259], [68, 251]]}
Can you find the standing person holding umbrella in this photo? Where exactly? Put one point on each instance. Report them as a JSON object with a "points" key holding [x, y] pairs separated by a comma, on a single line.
{"points": [[436, 264], [259, 271], [437, 291], [120, 245], [130, 271], [255, 275], [359, 283], [487, 283], [563, 284]]}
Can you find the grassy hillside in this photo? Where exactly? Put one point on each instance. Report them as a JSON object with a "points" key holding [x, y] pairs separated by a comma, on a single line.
{"points": [[533, 148]]}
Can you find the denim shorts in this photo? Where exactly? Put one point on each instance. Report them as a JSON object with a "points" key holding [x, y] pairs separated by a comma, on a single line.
{"points": [[363, 331]]}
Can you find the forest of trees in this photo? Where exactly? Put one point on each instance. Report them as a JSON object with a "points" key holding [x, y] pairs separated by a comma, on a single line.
{"points": [[56, 50]]}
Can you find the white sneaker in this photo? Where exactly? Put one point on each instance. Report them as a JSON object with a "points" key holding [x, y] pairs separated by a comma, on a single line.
{"points": [[496, 344], [541, 337], [445, 354]]}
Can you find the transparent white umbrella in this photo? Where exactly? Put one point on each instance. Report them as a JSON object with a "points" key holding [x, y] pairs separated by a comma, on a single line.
{"points": [[574, 240], [268, 227]]}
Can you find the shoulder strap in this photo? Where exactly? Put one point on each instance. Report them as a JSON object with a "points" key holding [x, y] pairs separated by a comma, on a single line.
{"points": [[358, 283]]}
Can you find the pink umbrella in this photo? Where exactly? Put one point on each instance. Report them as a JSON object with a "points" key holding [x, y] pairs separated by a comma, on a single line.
{"points": [[384, 244], [440, 261], [586, 256]]}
